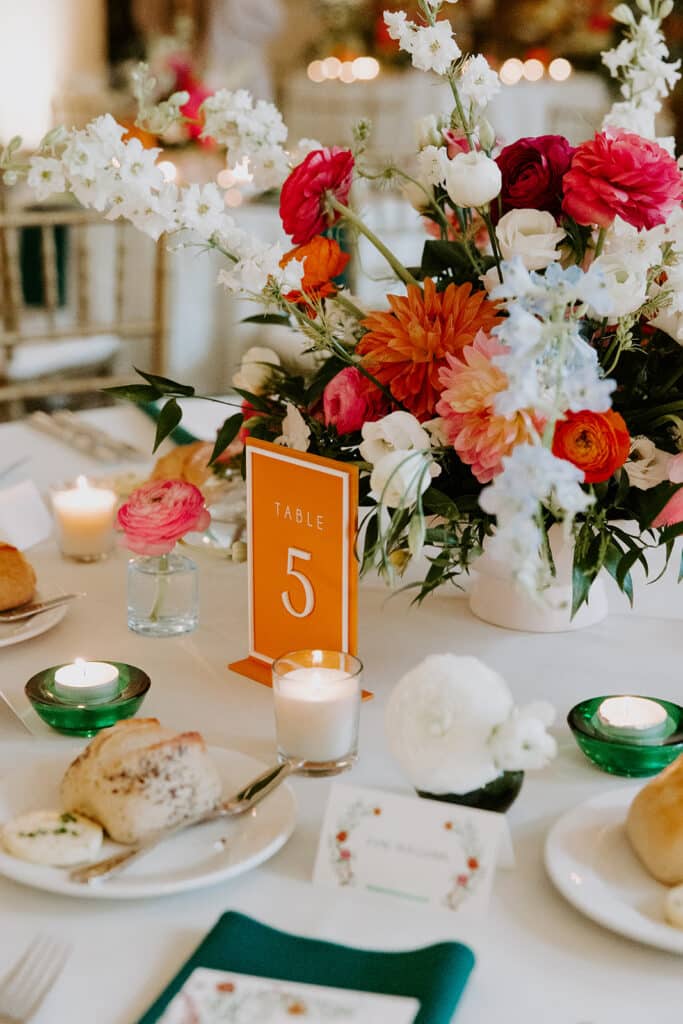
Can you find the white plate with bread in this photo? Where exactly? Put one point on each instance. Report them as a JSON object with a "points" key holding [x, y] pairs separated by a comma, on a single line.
{"points": [[591, 857], [131, 781], [17, 587]]}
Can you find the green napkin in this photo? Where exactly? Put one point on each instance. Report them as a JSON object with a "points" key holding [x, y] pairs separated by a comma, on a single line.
{"points": [[436, 975], [178, 435]]}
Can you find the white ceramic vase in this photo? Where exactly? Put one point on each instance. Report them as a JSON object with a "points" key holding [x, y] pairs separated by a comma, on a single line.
{"points": [[495, 597]]}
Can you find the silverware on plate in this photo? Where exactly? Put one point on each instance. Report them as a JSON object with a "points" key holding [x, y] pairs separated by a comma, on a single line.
{"points": [[25, 986], [242, 801], [27, 611]]}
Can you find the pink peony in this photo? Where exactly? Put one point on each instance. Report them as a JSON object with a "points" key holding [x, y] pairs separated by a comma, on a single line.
{"points": [[350, 400], [621, 174], [161, 512], [480, 436], [302, 200]]}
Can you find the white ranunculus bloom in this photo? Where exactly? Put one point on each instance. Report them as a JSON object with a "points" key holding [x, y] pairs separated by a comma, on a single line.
{"points": [[473, 179], [400, 477], [399, 431], [647, 465], [532, 235], [296, 433], [253, 375]]}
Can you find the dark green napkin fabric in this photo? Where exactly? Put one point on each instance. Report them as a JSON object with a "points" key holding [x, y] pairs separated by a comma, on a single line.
{"points": [[436, 975], [178, 435]]}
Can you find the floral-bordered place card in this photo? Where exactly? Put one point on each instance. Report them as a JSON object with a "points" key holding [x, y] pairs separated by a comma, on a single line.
{"points": [[425, 851], [225, 997]]}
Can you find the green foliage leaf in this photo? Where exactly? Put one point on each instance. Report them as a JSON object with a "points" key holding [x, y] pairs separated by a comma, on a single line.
{"points": [[140, 393], [256, 401], [277, 319], [451, 260], [169, 418], [226, 435], [439, 504], [613, 557], [165, 386]]}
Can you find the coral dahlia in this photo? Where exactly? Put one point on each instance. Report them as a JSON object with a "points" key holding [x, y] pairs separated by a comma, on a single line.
{"points": [[405, 349], [480, 436]]}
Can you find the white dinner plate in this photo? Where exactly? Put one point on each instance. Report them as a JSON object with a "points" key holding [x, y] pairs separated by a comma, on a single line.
{"points": [[15, 632], [590, 860], [188, 860]]}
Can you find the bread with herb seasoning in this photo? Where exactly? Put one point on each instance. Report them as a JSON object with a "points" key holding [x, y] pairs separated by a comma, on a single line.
{"points": [[655, 825]]}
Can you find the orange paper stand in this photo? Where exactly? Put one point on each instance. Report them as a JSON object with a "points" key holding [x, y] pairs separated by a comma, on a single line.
{"points": [[303, 574]]}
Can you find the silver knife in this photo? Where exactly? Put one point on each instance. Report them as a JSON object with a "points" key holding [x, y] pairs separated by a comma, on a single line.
{"points": [[244, 800], [27, 611]]}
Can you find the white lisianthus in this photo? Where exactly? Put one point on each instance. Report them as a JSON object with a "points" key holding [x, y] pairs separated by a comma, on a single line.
{"points": [[397, 432], [670, 317], [254, 374], [615, 285], [521, 743], [46, 176], [644, 246], [647, 466], [473, 179], [532, 235], [296, 433], [399, 478]]}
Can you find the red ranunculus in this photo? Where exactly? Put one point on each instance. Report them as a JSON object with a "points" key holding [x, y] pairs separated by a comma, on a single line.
{"points": [[302, 200], [621, 174], [596, 442], [350, 400], [532, 171]]}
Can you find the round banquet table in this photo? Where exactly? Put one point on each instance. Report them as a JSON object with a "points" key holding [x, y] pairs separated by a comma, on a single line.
{"points": [[538, 960]]}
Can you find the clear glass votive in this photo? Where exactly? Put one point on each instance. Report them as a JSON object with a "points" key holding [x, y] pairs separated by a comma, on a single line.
{"points": [[163, 595], [317, 697], [84, 520]]}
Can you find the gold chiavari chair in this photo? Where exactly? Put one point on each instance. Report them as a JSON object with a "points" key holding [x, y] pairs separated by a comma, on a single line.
{"points": [[74, 338]]}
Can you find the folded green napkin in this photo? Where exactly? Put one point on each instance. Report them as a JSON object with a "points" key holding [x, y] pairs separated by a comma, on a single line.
{"points": [[436, 975], [178, 435]]}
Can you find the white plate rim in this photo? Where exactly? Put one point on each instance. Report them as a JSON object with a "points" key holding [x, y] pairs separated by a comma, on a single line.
{"points": [[651, 933], [117, 889], [35, 626]]}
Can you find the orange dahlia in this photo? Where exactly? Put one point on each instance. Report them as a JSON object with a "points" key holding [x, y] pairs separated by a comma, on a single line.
{"points": [[406, 348], [322, 261]]}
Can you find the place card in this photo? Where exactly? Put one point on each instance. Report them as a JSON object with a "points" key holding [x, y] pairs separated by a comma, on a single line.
{"points": [[424, 851], [24, 519], [215, 997], [302, 569]]}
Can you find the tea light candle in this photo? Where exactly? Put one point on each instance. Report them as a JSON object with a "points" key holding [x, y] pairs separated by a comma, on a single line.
{"points": [[85, 520], [316, 713], [86, 682], [632, 718]]}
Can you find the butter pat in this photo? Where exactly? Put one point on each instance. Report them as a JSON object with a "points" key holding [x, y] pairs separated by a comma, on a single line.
{"points": [[52, 837]]}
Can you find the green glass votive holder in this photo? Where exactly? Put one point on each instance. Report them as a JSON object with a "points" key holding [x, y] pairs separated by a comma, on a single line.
{"points": [[627, 754], [86, 717]]}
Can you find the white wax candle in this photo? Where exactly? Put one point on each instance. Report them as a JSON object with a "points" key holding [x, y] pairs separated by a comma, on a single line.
{"points": [[85, 519], [316, 713], [87, 681], [634, 718]]}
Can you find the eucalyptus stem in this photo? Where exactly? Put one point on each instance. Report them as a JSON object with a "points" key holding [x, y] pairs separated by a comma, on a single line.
{"points": [[348, 215]]}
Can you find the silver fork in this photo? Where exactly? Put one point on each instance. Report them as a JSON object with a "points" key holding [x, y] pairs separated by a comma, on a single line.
{"points": [[25, 986]]}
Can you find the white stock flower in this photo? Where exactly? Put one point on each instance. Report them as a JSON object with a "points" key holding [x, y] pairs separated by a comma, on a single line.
{"points": [[45, 176], [303, 148], [398, 432], [202, 209], [432, 47], [254, 374], [432, 164], [479, 83], [647, 466], [615, 286], [473, 179], [644, 246], [296, 433], [269, 167], [532, 235], [440, 719], [399, 478], [521, 743]]}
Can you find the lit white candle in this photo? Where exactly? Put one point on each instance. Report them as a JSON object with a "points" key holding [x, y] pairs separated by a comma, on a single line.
{"points": [[84, 516], [632, 718], [316, 713], [86, 682]]}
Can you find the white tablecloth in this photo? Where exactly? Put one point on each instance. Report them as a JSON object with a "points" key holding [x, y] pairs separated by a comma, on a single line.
{"points": [[538, 960]]}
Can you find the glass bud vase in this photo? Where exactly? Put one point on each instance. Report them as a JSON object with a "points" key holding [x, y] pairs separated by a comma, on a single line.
{"points": [[163, 595]]}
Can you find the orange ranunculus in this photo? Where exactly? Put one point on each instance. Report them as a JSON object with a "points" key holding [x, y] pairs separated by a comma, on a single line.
{"points": [[406, 348], [323, 260], [596, 442]]}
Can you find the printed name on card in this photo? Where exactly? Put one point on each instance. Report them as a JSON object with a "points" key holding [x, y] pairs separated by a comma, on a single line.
{"points": [[424, 851], [303, 573]]}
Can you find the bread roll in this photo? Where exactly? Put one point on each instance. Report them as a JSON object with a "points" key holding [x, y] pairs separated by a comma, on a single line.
{"points": [[655, 825], [186, 462], [17, 578], [138, 777]]}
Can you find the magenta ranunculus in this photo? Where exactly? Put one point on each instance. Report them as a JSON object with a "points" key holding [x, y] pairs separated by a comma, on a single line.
{"points": [[533, 170], [161, 512], [350, 400], [621, 174], [302, 200]]}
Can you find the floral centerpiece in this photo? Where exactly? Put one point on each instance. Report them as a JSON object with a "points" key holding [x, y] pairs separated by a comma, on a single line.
{"points": [[526, 372]]}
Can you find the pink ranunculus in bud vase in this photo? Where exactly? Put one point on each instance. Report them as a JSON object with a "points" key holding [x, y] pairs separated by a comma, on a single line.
{"points": [[533, 170], [303, 206], [350, 400], [619, 174], [161, 512]]}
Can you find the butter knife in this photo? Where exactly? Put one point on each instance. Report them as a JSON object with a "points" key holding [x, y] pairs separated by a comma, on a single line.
{"points": [[27, 611], [242, 801]]}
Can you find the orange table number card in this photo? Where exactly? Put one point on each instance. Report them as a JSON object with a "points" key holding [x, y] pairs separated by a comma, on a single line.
{"points": [[303, 573]]}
